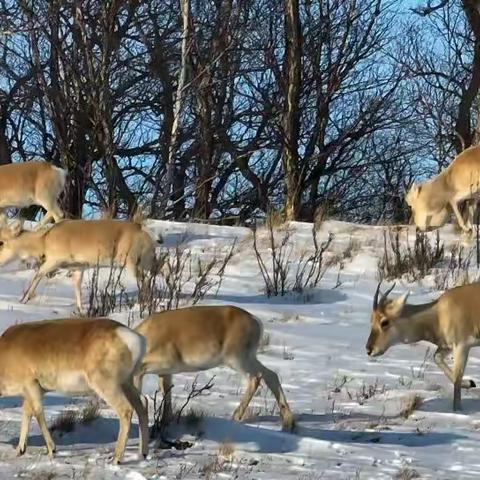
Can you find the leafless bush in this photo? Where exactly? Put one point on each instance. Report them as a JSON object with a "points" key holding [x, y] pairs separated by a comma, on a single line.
{"points": [[109, 296], [164, 287], [274, 218], [209, 275], [90, 412], [415, 262], [419, 373], [276, 278], [310, 267], [195, 391], [365, 392], [37, 474], [406, 474], [64, 422], [410, 404], [159, 424], [158, 427], [455, 272], [68, 419], [216, 465], [321, 215], [287, 354], [193, 417]]}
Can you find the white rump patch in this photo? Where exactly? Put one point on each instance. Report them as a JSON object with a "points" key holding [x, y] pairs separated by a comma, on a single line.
{"points": [[135, 342]]}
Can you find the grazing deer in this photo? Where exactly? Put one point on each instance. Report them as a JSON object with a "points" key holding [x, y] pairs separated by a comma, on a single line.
{"points": [[432, 201], [203, 337], [73, 356], [451, 322], [32, 183], [77, 245]]}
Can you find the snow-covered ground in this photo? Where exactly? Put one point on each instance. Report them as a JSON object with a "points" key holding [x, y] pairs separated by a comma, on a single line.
{"points": [[349, 408]]}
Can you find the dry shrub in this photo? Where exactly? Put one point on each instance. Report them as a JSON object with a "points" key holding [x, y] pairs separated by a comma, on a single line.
{"points": [[89, 412], [406, 474], [226, 450], [367, 391], [321, 215], [67, 420], [164, 287], [274, 218], [107, 297], [276, 265], [410, 404], [413, 261], [193, 417], [456, 272]]}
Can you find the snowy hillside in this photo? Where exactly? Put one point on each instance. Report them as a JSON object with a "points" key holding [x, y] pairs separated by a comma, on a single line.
{"points": [[357, 418]]}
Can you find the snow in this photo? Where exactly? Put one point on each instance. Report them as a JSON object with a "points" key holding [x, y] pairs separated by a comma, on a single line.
{"points": [[348, 406]]}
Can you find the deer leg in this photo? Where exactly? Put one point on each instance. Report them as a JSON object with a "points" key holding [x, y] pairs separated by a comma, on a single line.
{"points": [[27, 414], [52, 212], [253, 384], [77, 276], [165, 384], [439, 358], [460, 360], [253, 367], [34, 395], [471, 209], [138, 382], [44, 270], [459, 217], [113, 393], [135, 400], [57, 212]]}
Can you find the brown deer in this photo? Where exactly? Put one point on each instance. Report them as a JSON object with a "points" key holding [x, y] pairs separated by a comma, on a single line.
{"points": [[202, 337], [73, 356], [432, 201], [32, 183], [451, 322], [77, 245]]}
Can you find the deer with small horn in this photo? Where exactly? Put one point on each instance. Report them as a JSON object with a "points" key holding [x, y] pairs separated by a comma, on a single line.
{"points": [[451, 322]]}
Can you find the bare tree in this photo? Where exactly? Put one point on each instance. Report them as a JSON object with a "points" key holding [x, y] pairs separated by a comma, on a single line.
{"points": [[291, 114]]}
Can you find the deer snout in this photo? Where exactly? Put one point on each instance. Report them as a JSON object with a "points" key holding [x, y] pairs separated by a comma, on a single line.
{"points": [[369, 351]]}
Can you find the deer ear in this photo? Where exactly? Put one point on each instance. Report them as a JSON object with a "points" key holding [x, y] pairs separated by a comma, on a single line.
{"points": [[394, 307]]}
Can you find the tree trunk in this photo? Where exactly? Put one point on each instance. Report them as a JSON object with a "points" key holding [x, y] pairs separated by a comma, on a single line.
{"points": [[291, 113], [463, 128], [182, 77], [5, 156]]}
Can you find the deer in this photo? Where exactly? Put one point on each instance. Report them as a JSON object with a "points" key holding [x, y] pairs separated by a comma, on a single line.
{"points": [[23, 184], [74, 356], [202, 337], [77, 245], [451, 322], [434, 200]]}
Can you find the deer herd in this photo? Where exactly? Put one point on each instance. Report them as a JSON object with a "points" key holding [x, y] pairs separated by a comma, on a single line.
{"points": [[81, 355]]}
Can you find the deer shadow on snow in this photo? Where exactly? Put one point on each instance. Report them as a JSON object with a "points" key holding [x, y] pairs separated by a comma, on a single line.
{"points": [[252, 436], [320, 296]]}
